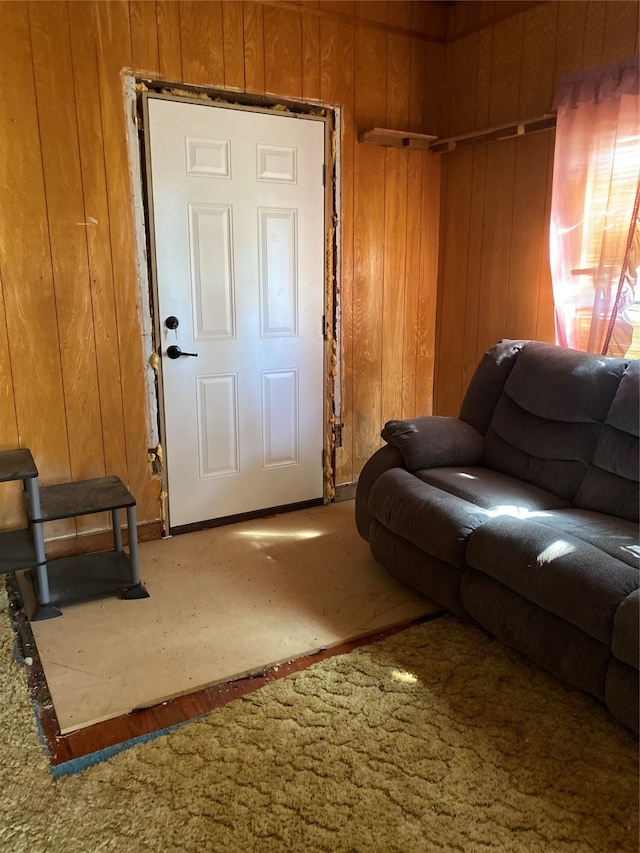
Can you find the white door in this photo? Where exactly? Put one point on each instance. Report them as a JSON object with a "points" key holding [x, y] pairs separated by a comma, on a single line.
{"points": [[238, 208]]}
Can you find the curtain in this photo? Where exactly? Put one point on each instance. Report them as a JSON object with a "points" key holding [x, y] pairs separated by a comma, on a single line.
{"points": [[594, 249]]}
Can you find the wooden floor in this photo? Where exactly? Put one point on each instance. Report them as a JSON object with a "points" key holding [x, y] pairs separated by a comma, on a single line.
{"points": [[75, 745]]}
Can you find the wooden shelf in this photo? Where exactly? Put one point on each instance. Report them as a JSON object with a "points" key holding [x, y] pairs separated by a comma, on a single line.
{"points": [[397, 139]]}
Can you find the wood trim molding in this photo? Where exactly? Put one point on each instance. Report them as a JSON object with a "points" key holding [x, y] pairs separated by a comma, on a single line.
{"points": [[523, 127]]}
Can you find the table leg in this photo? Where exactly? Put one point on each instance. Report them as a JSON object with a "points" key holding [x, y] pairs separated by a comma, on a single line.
{"points": [[45, 610], [117, 530], [136, 590]]}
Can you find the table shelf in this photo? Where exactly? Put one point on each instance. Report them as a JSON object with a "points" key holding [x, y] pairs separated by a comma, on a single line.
{"points": [[69, 578]]}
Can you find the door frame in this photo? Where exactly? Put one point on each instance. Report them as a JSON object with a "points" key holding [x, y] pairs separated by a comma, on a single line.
{"points": [[141, 92]]}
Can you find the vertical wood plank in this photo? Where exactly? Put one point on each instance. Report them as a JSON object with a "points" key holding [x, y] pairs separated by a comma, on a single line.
{"points": [[31, 369], [506, 70], [233, 34], [545, 325], [476, 202], [144, 35], [96, 213], [11, 502], [414, 231], [169, 50], [462, 85], [202, 42], [370, 90], [481, 108], [311, 57], [253, 47], [435, 117], [68, 237], [395, 214], [427, 297], [282, 51], [620, 31], [452, 291], [593, 42], [496, 239], [569, 37], [484, 62], [112, 21], [527, 238], [25, 258], [538, 56]]}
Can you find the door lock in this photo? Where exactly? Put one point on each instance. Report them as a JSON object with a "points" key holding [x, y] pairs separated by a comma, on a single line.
{"points": [[175, 352], [172, 322]]}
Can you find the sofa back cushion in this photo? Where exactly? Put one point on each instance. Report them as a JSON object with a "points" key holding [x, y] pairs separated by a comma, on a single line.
{"points": [[611, 482], [487, 383], [547, 421]]}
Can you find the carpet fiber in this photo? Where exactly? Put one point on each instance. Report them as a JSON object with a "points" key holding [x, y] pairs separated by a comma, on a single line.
{"points": [[436, 739]]}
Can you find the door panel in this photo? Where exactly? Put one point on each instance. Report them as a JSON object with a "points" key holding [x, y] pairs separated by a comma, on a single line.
{"points": [[238, 206]]}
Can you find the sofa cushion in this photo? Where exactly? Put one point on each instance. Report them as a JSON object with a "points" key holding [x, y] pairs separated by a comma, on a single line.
{"points": [[546, 424], [611, 481], [573, 579], [615, 536], [621, 693], [431, 519], [487, 383], [434, 441], [438, 508], [626, 631], [551, 642], [498, 493]]}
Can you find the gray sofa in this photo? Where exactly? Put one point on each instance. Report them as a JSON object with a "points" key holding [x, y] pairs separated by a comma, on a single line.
{"points": [[522, 513]]}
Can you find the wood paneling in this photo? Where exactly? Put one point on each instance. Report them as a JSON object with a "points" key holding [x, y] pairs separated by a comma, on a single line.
{"points": [[73, 377], [368, 245], [169, 29], [33, 354], [494, 278]]}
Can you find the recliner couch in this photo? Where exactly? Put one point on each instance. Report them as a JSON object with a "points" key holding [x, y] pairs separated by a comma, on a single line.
{"points": [[522, 513]]}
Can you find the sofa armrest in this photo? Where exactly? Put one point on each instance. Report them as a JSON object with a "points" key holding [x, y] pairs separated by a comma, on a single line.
{"points": [[381, 461], [434, 442]]}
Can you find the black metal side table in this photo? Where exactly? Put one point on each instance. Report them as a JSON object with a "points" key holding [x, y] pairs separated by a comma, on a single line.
{"points": [[69, 578], [88, 575]]}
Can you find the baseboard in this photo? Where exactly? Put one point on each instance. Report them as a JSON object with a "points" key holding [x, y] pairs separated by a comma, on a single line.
{"points": [[345, 492], [70, 546]]}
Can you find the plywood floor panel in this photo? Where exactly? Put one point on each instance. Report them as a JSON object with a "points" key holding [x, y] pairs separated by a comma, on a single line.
{"points": [[223, 603]]}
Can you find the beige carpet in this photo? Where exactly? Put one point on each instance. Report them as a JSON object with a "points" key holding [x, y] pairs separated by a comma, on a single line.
{"points": [[437, 739], [224, 602]]}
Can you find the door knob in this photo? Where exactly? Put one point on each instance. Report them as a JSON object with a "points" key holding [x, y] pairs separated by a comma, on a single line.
{"points": [[175, 352]]}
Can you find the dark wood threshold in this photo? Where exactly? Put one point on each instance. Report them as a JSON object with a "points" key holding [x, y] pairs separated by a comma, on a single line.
{"points": [[63, 748], [269, 512]]}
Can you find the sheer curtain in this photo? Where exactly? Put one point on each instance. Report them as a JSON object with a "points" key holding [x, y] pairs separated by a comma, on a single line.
{"points": [[594, 211]]}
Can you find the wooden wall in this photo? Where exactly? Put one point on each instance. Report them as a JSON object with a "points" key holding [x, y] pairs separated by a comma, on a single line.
{"points": [[72, 369], [494, 279]]}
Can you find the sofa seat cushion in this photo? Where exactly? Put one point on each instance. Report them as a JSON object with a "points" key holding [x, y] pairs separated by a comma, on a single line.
{"points": [[615, 536], [496, 492], [626, 631], [574, 579], [437, 509]]}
